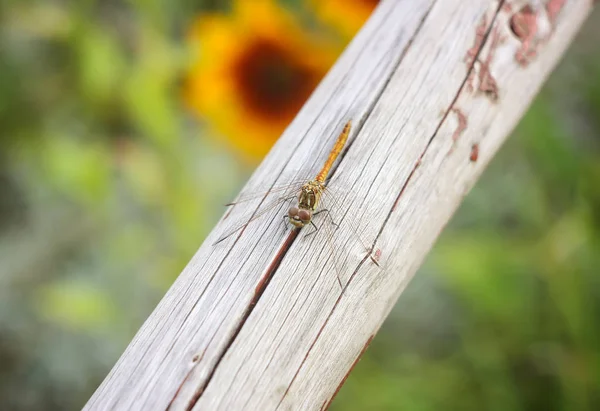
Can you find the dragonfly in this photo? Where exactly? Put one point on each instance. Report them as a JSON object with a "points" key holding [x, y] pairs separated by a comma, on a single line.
{"points": [[309, 196]]}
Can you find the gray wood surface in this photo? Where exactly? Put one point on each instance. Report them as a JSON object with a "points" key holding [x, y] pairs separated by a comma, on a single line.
{"points": [[258, 321]]}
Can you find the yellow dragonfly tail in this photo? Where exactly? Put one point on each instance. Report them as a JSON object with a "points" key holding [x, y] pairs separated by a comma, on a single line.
{"points": [[335, 152]]}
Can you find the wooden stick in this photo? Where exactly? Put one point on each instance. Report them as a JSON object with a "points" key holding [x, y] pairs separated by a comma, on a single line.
{"points": [[258, 321]]}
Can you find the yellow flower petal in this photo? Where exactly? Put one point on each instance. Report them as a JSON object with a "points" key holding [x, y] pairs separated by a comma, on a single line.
{"points": [[253, 72]]}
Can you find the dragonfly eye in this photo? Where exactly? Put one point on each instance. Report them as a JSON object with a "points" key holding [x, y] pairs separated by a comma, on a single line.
{"points": [[293, 212], [304, 216]]}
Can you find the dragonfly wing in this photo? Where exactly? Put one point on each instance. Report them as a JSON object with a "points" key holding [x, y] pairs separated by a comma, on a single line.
{"points": [[262, 210], [330, 229], [292, 186], [333, 202]]}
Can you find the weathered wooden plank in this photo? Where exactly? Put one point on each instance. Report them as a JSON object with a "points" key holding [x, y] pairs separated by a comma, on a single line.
{"points": [[202, 311], [433, 88]]}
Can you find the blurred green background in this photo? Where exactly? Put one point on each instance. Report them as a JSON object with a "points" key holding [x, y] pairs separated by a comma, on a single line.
{"points": [[113, 128]]}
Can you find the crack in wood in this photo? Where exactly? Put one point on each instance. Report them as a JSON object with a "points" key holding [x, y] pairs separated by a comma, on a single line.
{"points": [[410, 175], [257, 294], [287, 316], [320, 331]]}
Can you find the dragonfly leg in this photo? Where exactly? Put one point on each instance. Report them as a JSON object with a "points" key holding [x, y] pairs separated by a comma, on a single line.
{"points": [[330, 217], [315, 229], [286, 219]]}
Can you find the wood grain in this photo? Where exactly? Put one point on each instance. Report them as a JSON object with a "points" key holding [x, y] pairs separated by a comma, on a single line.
{"points": [[258, 321]]}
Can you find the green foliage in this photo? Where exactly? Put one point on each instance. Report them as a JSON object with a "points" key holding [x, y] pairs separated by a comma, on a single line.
{"points": [[119, 189]]}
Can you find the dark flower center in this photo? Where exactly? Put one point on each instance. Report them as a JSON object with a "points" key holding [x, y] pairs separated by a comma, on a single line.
{"points": [[273, 83]]}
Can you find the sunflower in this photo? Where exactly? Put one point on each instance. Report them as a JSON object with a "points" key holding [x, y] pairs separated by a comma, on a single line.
{"points": [[347, 16], [254, 70]]}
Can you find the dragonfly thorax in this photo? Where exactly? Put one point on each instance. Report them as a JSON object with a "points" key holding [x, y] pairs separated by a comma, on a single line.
{"points": [[308, 200]]}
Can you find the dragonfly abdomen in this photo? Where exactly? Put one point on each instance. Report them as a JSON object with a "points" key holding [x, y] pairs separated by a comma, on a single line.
{"points": [[335, 152]]}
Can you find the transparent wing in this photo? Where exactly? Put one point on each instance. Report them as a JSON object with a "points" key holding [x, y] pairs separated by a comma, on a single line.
{"points": [[286, 194], [330, 229], [294, 180], [333, 200], [279, 188]]}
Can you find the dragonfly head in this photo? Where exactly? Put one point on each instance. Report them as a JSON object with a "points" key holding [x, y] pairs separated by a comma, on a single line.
{"points": [[299, 217]]}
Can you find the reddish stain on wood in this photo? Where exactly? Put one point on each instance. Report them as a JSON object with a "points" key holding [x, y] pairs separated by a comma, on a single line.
{"points": [[474, 153], [378, 254], [487, 82], [480, 68], [525, 26], [327, 404], [474, 51], [462, 126], [553, 8]]}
